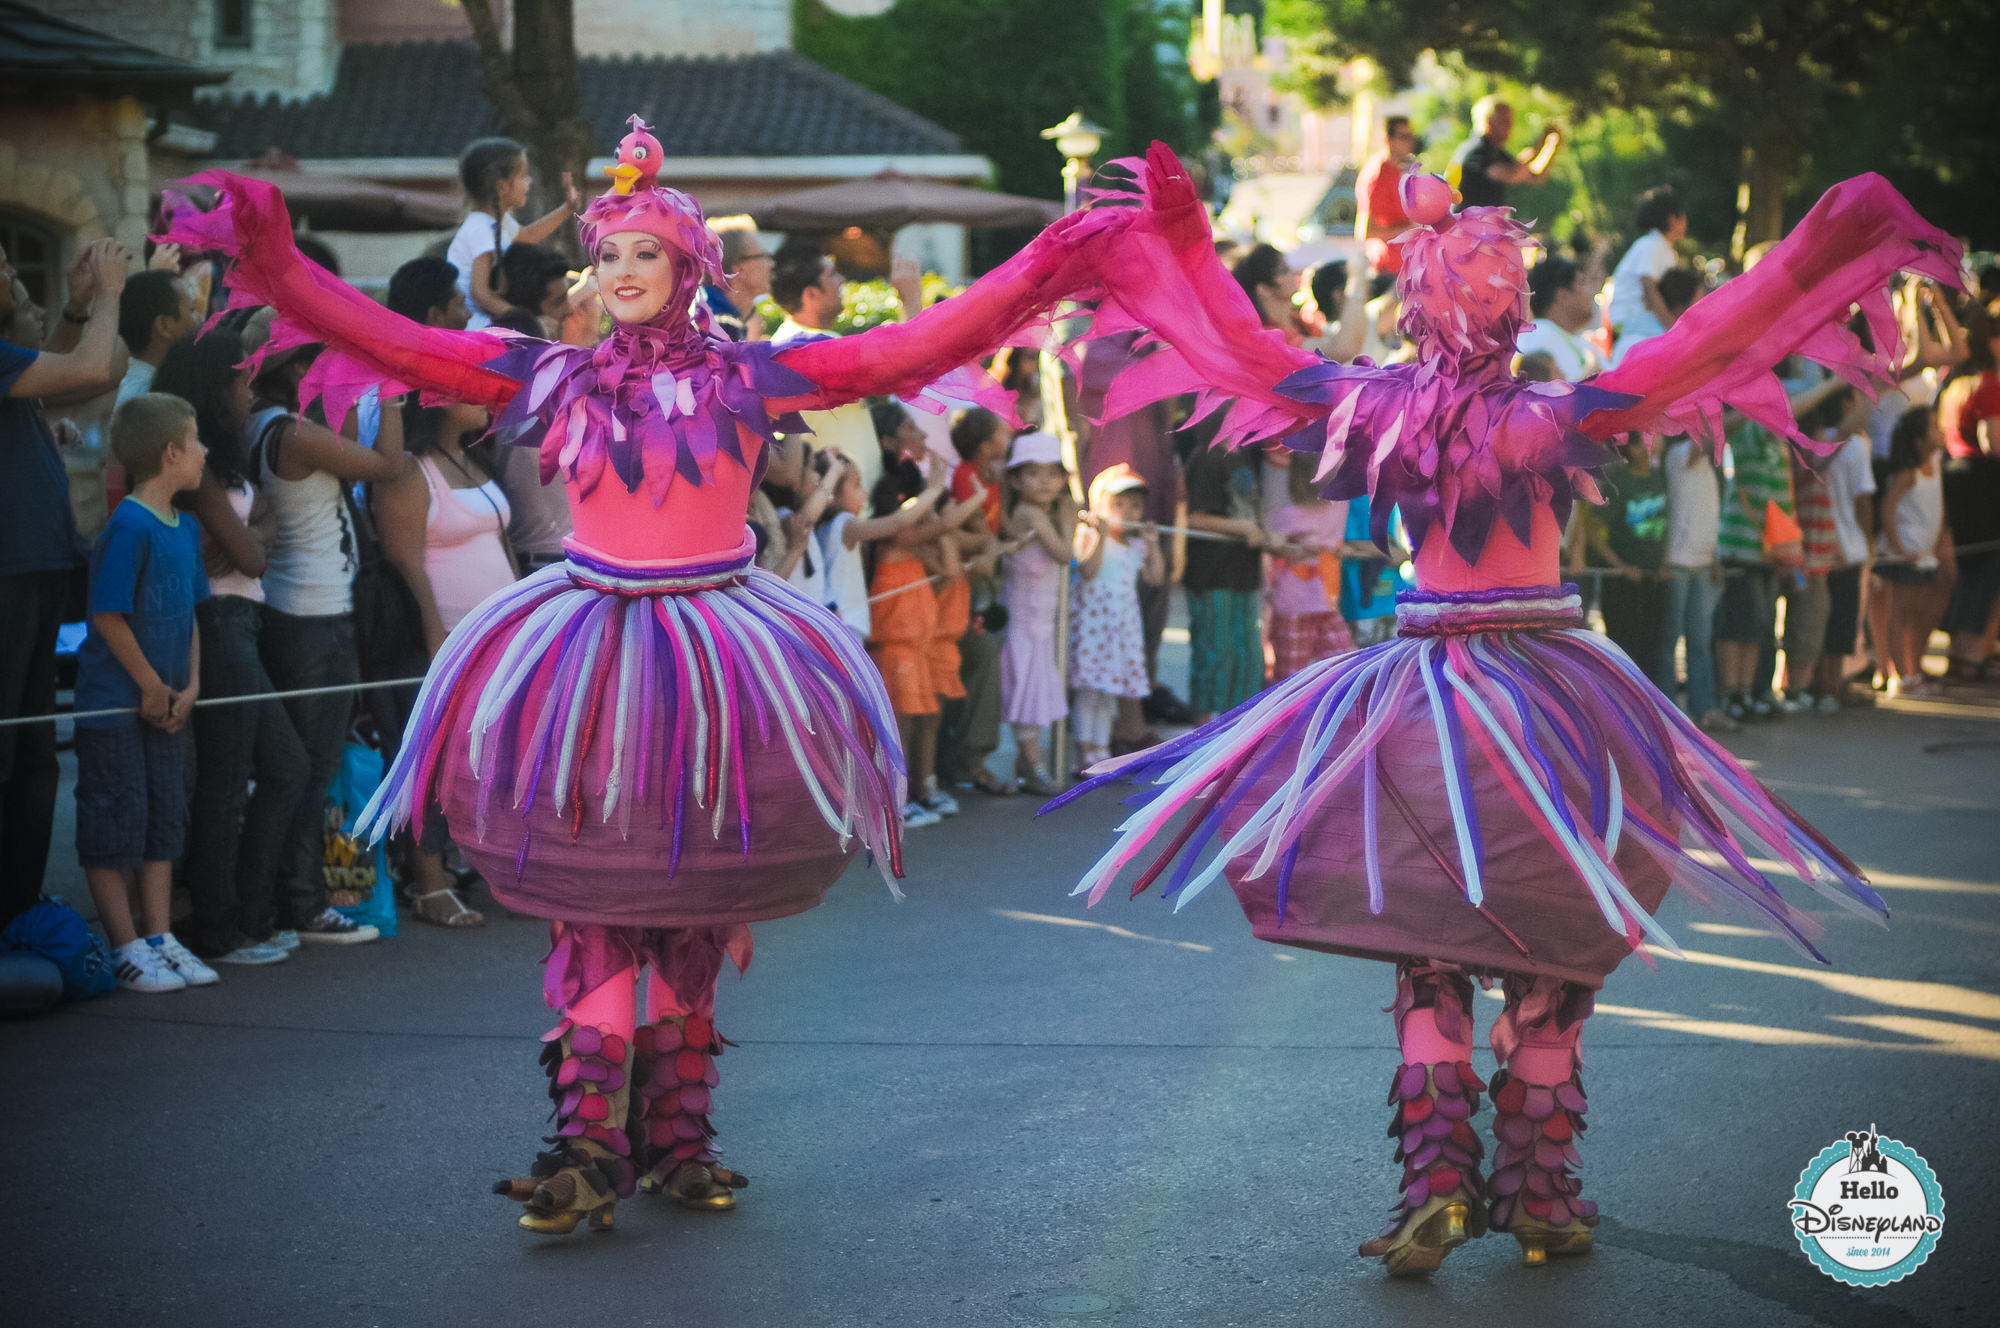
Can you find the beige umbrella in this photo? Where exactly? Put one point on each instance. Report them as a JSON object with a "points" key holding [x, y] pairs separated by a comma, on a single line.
{"points": [[892, 200]]}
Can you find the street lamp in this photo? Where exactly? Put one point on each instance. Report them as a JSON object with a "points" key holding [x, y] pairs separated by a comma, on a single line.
{"points": [[1078, 140]]}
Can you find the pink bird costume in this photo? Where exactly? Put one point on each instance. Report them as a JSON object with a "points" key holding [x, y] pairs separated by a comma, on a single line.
{"points": [[654, 743], [1498, 792]]}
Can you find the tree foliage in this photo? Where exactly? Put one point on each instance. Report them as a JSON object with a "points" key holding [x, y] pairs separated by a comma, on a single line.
{"points": [[998, 72], [1776, 78], [531, 81]]}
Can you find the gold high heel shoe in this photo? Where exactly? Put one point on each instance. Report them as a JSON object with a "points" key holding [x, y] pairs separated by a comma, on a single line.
{"points": [[590, 1166], [1538, 1241], [1420, 1244]]}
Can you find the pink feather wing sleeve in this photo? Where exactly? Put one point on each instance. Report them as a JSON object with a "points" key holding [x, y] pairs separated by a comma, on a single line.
{"points": [[1797, 300], [1149, 266], [367, 346]]}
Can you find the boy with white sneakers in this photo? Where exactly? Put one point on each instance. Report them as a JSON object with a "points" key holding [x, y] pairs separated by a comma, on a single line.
{"points": [[131, 786]]}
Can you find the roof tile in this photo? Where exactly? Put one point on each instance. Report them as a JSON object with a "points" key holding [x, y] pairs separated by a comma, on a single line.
{"points": [[424, 99]]}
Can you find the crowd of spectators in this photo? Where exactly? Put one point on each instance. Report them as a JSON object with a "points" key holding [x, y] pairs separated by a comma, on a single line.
{"points": [[1000, 573]]}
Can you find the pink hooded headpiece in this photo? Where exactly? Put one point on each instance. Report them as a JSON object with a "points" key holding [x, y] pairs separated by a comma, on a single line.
{"points": [[637, 203], [1464, 284]]}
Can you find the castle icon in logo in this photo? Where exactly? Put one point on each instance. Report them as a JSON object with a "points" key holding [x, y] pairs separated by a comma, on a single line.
{"points": [[1864, 1151]]}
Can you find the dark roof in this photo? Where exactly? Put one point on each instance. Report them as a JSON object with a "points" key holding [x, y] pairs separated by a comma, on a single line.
{"points": [[423, 99], [39, 51]]}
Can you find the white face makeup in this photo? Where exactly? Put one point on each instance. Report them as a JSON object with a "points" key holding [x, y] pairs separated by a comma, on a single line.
{"points": [[635, 275]]}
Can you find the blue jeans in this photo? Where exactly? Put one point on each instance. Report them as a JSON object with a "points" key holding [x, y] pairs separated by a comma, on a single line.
{"points": [[236, 837], [298, 653], [1691, 598]]}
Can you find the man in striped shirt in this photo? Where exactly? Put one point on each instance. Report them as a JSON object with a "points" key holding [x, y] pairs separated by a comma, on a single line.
{"points": [[1746, 620]]}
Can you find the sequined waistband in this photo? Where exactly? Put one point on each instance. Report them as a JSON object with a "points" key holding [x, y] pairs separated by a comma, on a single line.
{"points": [[596, 572], [1505, 609]]}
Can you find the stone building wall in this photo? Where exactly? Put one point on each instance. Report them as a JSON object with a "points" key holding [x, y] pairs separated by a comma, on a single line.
{"points": [[80, 170], [293, 50]]}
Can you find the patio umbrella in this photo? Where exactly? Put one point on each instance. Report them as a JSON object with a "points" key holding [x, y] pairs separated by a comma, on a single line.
{"points": [[344, 203], [890, 200]]}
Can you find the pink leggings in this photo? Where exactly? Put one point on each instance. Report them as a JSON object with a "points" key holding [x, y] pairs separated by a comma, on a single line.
{"points": [[593, 972]]}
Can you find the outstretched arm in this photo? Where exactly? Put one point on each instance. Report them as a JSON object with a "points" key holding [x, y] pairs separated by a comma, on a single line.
{"points": [[1845, 252], [366, 344], [1151, 266]]}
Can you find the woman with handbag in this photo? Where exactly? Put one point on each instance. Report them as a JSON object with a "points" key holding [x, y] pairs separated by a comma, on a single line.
{"points": [[443, 527]]}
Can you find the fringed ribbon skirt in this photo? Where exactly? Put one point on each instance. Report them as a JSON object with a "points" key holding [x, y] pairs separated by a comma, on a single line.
{"points": [[678, 745], [1495, 787]]}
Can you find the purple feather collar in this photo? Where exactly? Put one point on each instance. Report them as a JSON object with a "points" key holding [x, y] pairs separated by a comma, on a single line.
{"points": [[653, 402]]}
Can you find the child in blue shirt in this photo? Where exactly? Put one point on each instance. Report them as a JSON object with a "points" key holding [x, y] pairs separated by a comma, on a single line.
{"points": [[142, 653], [1368, 581]]}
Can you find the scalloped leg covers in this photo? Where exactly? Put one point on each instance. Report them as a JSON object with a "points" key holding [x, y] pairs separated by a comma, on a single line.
{"points": [[1538, 1108], [1434, 1093], [675, 1073], [588, 1167]]}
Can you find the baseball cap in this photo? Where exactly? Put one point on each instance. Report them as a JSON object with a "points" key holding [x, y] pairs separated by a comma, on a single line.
{"points": [[1035, 448], [1114, 480]]}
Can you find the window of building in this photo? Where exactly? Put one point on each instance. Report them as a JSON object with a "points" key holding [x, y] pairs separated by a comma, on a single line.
{"points": [[232, 24], [36, 255]]}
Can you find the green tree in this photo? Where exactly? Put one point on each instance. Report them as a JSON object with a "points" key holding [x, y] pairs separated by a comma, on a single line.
{"points": [[994, 72], [531, 81], [1768, 73]]}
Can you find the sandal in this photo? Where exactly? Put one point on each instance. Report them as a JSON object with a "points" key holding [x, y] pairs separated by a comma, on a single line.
{"points": [[987, 782], [1036, 779], [435, 914]]}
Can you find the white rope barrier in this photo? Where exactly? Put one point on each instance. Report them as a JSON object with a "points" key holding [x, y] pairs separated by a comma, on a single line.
{"points": [[1597, 573]]}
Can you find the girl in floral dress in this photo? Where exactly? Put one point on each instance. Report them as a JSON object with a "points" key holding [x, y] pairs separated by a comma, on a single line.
{"points": [[1116, 548]]}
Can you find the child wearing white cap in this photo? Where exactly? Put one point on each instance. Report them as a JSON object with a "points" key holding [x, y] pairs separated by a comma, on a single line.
{"points": [[1040, 511]]}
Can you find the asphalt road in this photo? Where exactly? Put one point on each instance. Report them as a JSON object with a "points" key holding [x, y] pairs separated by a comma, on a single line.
{"points": [[986, 1106]]}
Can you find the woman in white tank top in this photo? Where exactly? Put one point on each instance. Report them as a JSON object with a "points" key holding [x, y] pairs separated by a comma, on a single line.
{"points": [[302, 470], [1912, 547], [443, 525]]}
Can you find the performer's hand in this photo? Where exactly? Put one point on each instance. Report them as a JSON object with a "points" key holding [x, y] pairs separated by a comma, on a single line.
{"points": [[166, 258]]}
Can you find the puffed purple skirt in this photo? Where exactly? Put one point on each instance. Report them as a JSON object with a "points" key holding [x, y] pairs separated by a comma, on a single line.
{"points": [[1495, 787], [676, 745]]}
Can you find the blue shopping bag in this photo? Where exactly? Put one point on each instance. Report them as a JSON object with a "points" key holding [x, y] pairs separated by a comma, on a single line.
{"points": [[357, 873]]}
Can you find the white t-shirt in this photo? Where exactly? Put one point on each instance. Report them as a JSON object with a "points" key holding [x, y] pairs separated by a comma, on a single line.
{"points": [[808, 575], [1576, 359], [1848, 475], [1649, 256], [138, 381], [1642, 326], [1895, 402], [1694, 505], [846, 579], [475, 237]]}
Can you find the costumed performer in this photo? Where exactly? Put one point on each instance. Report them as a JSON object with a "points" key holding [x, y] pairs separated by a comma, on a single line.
{"points": [[1497, 793], [652, 744]]}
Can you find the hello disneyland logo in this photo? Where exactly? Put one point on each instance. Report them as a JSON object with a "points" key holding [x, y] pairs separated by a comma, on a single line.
{"points": [[1868, 1210]]}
